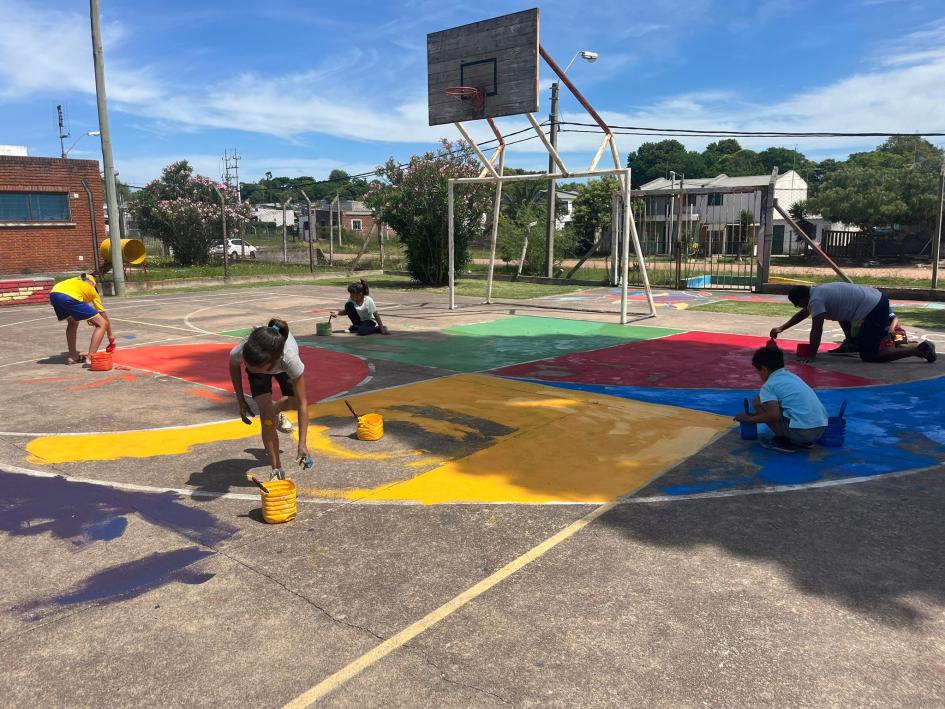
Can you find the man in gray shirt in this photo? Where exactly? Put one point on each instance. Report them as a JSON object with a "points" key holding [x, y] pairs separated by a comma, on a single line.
{"points": [[854, 307]]}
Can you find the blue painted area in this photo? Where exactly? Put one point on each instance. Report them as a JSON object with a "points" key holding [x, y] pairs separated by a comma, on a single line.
{"points": [[890, 428], [81, 512], [129, 337], [106, 530]]}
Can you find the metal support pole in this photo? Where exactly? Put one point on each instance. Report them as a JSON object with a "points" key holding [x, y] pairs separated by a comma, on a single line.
{"points": [[552, 196], [452, 247], [496, 210], [88, 194], [226, 255], [108, 164], [285, 240], [625, 255], [937, 244], [628, 218], [813, 244], [311, 233]]}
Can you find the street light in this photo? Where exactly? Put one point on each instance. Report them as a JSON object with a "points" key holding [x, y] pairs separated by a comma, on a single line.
{"points": [[590, 57], [586, 54], [66, 152]]}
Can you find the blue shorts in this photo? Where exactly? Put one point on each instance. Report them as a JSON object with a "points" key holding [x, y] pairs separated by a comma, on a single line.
{"points": [[67, 306]]}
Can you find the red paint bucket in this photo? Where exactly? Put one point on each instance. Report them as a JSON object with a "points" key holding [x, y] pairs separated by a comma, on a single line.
{"points": [[101, 362], [802, 349]]}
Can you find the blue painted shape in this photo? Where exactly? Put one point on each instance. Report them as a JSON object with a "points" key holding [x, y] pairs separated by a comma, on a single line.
{"points": [[66, 510], [129, 337], [890, 428], [106, 530]]}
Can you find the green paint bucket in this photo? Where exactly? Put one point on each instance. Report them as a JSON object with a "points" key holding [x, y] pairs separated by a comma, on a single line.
{"points": [[323, 328]]}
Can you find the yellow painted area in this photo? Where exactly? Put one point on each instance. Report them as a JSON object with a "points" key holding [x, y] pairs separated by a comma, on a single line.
{"points": [[547, 445], [578, 448]]}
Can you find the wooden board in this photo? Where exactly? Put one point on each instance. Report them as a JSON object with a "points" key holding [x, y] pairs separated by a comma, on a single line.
{"points": [[499, 56]]}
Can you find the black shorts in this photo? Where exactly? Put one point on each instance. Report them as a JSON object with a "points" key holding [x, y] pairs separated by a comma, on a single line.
{"points": [[262, 384], [874, 328]]}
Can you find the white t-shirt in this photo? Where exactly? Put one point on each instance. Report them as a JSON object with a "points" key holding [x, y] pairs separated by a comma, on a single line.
{"points": [[367, 310], [290, 363], [843, 301]]}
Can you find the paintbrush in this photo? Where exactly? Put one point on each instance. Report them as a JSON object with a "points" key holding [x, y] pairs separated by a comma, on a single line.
{"points": [[258, 484], [745, 402], [351, 409]]}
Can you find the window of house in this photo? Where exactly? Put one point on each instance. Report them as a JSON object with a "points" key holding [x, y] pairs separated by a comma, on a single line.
{"points": [[34, 207], [715, 199], [356, 224]]}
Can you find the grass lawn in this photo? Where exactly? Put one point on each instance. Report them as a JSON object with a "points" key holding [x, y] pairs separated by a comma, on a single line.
{"points": [[925, 318], [472, 287]]}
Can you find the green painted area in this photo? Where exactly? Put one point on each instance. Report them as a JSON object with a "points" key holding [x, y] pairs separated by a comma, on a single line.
{"points": [[484, 346], [238, 333]]}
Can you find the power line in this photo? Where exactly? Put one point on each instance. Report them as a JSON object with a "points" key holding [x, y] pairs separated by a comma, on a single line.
{"points": [[696, 132], [372, 173]]}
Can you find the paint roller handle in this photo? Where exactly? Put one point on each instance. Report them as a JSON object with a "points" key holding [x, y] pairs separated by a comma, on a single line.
{"points": [[745, 403], [843, 408], [259, 484], [351, 409]]}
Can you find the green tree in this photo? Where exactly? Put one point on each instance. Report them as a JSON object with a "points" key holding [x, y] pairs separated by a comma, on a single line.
{"points": [[785, 159], [716, 153], [883, 187], [413, 200], [183, 210], [592, 210], [653, 160]]}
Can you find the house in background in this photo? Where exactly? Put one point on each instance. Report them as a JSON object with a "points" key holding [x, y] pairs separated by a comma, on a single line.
{"points": [[272, 213], [565, 208], [719, 217], [354, 215], [46, 221]]}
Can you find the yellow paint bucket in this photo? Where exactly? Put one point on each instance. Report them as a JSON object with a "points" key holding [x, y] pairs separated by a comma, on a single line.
{"points": [[278, 501], [370, 427], [133, 252]]}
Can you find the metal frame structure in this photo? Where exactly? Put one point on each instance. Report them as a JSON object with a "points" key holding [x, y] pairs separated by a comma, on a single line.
{"points": [[493, 173]]}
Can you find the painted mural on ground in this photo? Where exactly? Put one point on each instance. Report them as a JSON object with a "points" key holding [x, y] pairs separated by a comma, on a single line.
{"points": [[683, 360], [482, 346], [890, 428]]}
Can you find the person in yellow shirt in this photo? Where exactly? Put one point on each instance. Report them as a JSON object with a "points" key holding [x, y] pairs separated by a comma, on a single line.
{"points": [[76, 299]]}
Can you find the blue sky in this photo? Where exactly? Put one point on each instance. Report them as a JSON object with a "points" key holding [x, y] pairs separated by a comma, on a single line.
{"points": [[303, 87]]}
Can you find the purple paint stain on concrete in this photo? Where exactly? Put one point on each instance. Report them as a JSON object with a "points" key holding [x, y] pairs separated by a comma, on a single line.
{"points": [[69, 510], [106, 530]]}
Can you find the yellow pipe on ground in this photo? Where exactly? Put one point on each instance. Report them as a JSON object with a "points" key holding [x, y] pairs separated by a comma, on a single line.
{"points": [[133, 252]]}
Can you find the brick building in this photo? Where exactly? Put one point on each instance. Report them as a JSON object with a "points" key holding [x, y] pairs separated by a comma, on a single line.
{"points": [[46, 223]]}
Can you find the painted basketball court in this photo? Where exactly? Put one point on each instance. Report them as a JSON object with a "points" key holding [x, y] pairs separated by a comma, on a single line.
{"points": [[560, 511]]}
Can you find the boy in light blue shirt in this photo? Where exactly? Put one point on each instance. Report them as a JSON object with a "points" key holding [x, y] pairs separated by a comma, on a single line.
{"points": [[786, 404]]}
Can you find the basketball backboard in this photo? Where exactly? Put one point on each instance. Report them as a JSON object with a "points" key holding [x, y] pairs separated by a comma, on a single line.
{"points": [[499, 57]]}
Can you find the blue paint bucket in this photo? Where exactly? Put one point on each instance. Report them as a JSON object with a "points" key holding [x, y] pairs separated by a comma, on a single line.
{"points": [[834, 433], [749, 430]]}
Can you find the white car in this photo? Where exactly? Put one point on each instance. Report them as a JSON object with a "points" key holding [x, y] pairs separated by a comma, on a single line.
{"points": [[235, 248]]}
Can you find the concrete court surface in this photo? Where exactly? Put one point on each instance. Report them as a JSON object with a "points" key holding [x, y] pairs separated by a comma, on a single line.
{"points": [[561, 512]]}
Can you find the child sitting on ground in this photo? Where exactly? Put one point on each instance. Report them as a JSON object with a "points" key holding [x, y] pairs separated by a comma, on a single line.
{"points": [[786, 404], [360, 309]]}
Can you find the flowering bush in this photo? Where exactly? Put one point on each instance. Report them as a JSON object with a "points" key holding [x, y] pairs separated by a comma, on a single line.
{"points": [[412, 199], [183, 210]]}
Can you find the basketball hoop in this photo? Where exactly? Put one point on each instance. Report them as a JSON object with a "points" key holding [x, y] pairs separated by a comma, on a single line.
{"points": [[468, 93]]}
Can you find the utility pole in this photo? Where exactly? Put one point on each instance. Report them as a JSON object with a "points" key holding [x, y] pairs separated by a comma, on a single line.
{"points": [[118, 273], [552, 197], [62, 132], [231, 176], [937, 244]]}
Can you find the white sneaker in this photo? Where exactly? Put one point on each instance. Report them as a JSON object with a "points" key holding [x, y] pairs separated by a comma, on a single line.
{"points": [[284, 425], [276, 474]]}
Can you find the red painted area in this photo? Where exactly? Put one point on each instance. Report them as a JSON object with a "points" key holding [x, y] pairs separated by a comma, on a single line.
{"points": [[691, 360], [326, 373]]}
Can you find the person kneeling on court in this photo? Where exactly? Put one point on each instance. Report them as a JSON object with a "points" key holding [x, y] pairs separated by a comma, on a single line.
{"points": [[849, 304], [76, 299], [271, 352], [786, 404], [360, 309]]}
